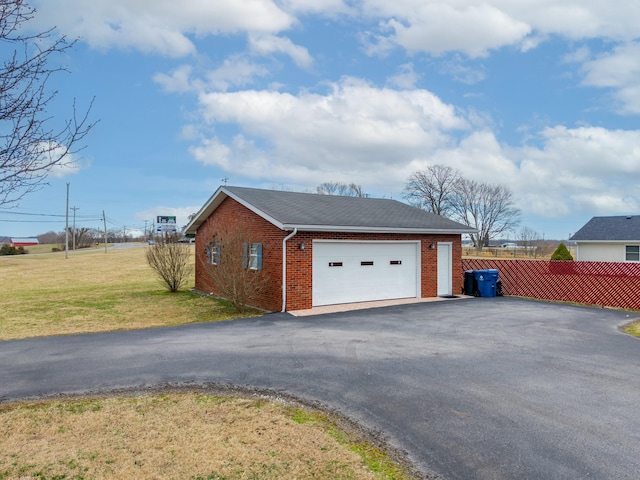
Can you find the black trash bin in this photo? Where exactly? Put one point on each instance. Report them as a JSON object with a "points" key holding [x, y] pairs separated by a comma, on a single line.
{"points": [[470, 284]]}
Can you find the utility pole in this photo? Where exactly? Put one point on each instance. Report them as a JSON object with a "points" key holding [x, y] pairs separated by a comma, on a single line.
{"points": [[104, 219], [74, 226], [66, 228]]}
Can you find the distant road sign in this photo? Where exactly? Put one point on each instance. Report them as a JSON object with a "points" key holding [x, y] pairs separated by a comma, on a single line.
{"points": [[166, 228], [166, 219]]}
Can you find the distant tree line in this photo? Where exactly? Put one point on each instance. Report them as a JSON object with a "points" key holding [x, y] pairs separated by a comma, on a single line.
{"points": [[341, 189], [85, 237]]}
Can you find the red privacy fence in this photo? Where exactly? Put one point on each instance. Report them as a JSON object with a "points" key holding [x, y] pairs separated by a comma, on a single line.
{"points": [[609, 284]]}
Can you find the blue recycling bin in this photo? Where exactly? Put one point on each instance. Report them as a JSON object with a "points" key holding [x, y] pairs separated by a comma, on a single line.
{"points": [[487, 282]]}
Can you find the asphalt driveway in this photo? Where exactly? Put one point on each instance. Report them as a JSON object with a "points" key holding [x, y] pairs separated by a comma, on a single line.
{"points": [[480, 388]]}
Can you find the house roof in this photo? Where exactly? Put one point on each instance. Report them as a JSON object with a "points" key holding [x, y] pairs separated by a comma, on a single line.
{"points": [[314, 212], [611, 229], [25, 240]]}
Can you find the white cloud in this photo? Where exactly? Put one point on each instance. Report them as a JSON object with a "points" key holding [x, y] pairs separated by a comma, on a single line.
{"points": [[355, 130], [620, 71], [235, 71], [266, 44], [62, 170], [213, 152], [159, 26], [576, 19], [584, 169], [473, 29], [376, 137], [69, 165], [178, 81], [406, 78], [324, 7], [460, 72]]}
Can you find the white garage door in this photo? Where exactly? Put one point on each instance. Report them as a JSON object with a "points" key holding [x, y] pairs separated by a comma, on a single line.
{"points": [[345, 272]]}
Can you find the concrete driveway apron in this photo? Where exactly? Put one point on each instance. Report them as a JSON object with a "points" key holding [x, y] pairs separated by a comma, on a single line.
{"points": [[484, 388]]}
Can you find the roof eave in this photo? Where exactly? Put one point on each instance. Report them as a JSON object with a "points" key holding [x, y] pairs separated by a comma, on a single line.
{"points": [[214, 202], [222, 193], [376, 229], [602, 241]]}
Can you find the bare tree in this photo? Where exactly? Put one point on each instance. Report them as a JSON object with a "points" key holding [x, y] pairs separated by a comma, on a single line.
{"points": [[51, 237], [32, 142], [80, 236], [529, 240], [432, 189], [341, 189], [487, 208], [170, 259], [237, 277]]}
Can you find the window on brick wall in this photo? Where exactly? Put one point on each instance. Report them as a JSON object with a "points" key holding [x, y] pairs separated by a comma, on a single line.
{"points": [[252, 256], [632, 253], [212, 251]]}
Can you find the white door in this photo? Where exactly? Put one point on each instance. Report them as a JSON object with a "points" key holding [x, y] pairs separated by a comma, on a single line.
{"points": [[445, 268], [346, 272]]}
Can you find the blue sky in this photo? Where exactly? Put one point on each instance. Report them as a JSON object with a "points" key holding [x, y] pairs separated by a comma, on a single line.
{"points": [[540, 95]]}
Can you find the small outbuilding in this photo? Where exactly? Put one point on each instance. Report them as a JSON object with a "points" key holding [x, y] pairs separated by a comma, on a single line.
{"points": [[609, 239], [324, 249], [23, 242]]}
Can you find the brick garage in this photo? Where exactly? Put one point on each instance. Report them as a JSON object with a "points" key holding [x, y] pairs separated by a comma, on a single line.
{"points": [[343, 226]]}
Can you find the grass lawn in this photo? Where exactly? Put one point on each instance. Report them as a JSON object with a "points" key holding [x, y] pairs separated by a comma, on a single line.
{"points": [[180, 436], [93, 291], [177, 435], [633, 328]]}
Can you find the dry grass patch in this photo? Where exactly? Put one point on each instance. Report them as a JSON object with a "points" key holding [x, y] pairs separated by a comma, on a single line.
{"points": [[93, 291], [177, 435], [632, 328]]}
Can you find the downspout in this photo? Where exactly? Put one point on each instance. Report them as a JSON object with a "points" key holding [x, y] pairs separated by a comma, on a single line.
{"points": [[284, 268]]}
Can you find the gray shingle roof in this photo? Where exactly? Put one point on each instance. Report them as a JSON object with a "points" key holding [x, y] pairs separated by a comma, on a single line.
{"points": [[618, 228], [308, 211]]}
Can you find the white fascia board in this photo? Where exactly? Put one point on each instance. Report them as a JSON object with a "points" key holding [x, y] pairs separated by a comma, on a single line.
{"points": [[214, 202], [605, 241], [358, 229], [206, 210]]}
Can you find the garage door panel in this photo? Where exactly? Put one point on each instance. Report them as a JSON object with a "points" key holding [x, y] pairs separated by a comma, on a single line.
{"points": [[357, 272]]}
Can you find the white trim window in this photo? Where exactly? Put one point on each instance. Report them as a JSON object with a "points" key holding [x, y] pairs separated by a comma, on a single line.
{"points": [[632, 253], [212, 251], [252, 256]]}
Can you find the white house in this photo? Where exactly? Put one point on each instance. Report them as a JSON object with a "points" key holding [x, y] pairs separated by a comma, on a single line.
{"points": [[609, 239]]}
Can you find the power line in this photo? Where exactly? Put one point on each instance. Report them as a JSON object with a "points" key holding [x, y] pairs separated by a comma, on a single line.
{"points": [[88, 216], [31, 221]]}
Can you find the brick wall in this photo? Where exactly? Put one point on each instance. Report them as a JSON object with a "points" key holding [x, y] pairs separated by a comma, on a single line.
{"points": [[231, 214]]}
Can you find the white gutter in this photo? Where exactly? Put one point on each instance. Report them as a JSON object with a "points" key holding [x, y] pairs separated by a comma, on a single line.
{"points": [[284, 268]]}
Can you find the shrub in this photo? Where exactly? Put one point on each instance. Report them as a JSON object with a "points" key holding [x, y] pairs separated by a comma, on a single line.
{"points": [[561, 253], [230, 273], [170, 260], [7, 249]]}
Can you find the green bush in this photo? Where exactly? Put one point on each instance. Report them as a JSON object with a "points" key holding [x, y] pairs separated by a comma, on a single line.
{"points": [[562, 253], [7, 249]]}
